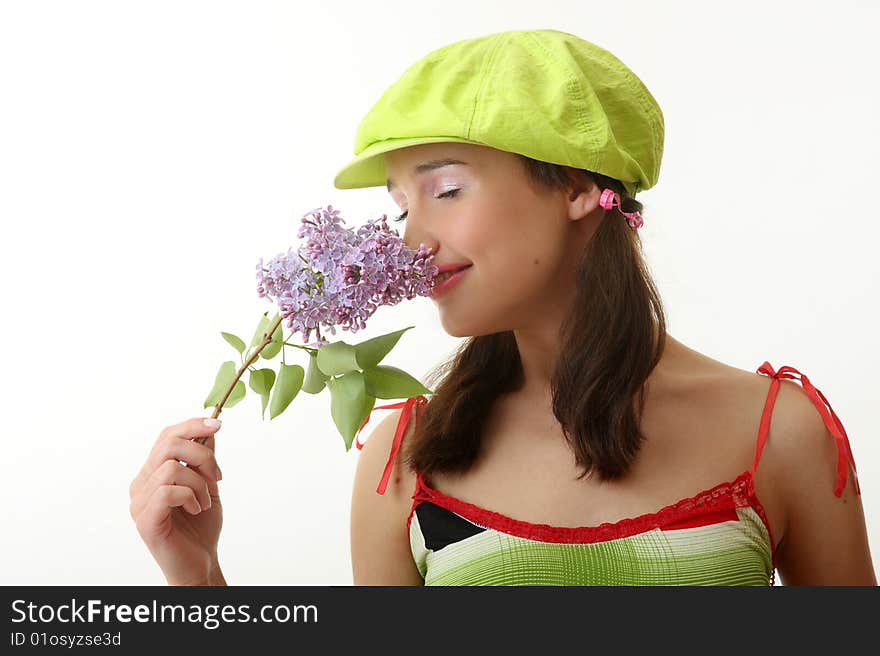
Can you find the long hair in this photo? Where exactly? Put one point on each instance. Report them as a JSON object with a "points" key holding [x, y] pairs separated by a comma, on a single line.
{"points": [[611, 339]]}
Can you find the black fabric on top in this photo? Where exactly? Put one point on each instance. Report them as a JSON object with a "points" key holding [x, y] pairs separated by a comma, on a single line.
{"points": [[441, 527]]}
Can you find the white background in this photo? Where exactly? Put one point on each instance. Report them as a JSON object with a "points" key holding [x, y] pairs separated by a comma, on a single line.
{"points": [[150, 152]]}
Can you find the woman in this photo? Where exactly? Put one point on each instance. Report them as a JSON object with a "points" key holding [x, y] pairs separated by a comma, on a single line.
{"points": [[571, 440]]}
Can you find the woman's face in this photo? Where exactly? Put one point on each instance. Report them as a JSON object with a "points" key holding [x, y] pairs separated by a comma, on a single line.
{"points": [[524, 242]]}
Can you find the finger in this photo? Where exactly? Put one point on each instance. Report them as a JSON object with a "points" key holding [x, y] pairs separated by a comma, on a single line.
{"points": [[152, 521], [199, 461], [186, 430], [191, 428], [204, 440], [173, 473], [195, 455], [210, 443]]}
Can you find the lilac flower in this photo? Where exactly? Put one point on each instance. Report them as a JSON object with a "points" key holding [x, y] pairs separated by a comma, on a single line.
{"points": [[340, 276]]}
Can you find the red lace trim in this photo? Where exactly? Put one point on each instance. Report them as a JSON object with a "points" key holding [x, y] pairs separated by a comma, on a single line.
{"points": [[726, 496]]}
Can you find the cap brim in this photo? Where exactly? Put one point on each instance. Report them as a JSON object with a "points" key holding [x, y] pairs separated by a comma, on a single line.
{"points": [[368, 168]]}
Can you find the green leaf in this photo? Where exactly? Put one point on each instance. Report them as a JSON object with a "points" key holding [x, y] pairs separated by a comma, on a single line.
{"points": [[262, 327], [337, 358], [386, 382], [315, 378], [274, 347], [221, 382], [349, 404], [290, 378], [261, 381], [236, 342], [370, 352], [236, 395]]}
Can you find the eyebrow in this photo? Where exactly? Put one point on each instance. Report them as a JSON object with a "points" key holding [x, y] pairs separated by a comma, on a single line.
{"points": [[430, 165]]}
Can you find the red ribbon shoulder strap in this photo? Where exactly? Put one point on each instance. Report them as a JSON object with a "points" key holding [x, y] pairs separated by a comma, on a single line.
{"points": [[398, 434], [832, 422]]}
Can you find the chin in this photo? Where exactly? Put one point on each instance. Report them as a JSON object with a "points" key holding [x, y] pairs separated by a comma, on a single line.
{"points": [[470, 327], [454, 327], [457, 331]]}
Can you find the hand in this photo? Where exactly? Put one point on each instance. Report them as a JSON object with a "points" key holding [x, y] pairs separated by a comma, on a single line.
{"points": [[176, 508]]}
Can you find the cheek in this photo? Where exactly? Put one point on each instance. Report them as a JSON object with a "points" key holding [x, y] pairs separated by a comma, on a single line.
{"points": [[513, 234], [528, 241], [520, 264]]}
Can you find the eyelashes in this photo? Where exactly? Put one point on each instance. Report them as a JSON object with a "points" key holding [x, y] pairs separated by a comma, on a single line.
{"points": [[447, 194]]}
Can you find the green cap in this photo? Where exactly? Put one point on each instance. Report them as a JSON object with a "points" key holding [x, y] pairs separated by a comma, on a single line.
{"points": [[545, 94]]}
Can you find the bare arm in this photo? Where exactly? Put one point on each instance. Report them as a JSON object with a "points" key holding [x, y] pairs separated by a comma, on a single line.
{"points": [[825, 539], [380, 549]]}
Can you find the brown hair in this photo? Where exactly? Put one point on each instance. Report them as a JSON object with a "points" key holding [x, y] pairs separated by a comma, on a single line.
{"points": [[611, 340]]}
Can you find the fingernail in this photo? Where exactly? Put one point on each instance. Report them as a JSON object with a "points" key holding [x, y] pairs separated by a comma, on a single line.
{"points": [[210, 422], [219, 474]]}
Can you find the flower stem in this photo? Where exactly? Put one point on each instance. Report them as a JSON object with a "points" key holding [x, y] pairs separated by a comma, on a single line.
{"points": [[303, 347], [267, 338]]}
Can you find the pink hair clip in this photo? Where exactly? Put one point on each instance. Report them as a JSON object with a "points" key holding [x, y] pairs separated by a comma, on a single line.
{"points": [[610, 197]]}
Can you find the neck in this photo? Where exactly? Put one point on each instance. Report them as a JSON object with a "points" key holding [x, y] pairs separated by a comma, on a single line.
{"points": [[538, 354]]}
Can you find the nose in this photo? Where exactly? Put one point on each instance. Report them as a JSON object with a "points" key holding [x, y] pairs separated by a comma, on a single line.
{"points": [[413, 237], [428, 245]]}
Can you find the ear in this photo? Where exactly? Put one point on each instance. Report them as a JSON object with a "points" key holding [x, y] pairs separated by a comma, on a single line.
{"points": [[582, 195]]}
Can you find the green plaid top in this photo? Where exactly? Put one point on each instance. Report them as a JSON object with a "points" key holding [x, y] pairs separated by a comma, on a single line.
{"points": [[719, 536]]}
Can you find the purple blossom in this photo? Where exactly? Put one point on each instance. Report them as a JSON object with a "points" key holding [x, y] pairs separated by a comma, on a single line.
{"points": [[340, 277]]}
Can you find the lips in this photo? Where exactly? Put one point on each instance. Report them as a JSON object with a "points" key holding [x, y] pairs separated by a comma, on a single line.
{"points": [[446, 270], [452, 266], [443, 283], [443, 276]]}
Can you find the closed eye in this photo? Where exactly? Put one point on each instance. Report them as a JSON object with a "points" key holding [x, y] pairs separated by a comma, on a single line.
{"points": [[446, 194]]}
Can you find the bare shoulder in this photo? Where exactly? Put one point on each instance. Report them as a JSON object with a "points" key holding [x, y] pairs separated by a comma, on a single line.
{"points": [[380, 549], [822, 536], [825, 540], [375, 453], [798, 440]]}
